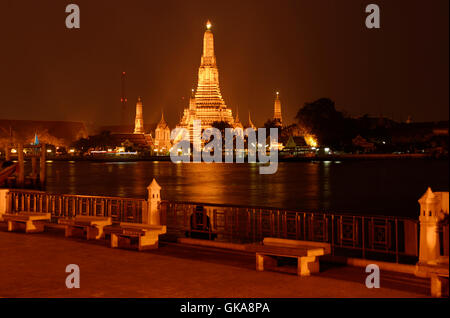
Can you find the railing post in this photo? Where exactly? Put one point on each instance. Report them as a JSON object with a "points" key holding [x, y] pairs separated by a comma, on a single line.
{"points": [[332, 234], [431, 208], [396, 241], [4, 202], [21, 176], [363, 237], [152, 215]]}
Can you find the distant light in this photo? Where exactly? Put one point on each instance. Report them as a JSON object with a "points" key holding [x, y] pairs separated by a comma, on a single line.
{"points": [[327, 149], [126, 153], [49, 150], [13, 150], [208, 25], [71, 150], [384, 142]]}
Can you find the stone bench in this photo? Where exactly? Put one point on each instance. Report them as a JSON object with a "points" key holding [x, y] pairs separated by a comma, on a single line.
{"points": [[439, 284], [438, 274], [135, 235], [31, 222], [91, 226], [306, 252]]}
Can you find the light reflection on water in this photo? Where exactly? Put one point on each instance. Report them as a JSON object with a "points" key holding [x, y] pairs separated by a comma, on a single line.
{"points": [[367, 187]]}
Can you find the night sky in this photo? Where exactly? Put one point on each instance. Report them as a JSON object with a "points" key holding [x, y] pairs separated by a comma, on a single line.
{"points": [[304, 49]]}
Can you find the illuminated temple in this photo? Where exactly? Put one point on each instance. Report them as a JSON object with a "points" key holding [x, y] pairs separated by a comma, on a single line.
{"points": [[206, 103]]}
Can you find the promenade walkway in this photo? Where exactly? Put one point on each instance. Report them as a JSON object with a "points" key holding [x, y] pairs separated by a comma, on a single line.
{"points": [[34, 265]]}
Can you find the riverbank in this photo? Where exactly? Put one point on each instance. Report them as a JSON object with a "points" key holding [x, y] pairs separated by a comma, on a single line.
{"points": [[281, 158]]}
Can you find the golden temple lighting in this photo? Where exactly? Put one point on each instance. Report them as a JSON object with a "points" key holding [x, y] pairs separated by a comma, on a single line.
{"points": [[311, 140]]}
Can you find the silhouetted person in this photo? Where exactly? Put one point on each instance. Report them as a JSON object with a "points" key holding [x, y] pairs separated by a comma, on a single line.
{"points": [[200, 221]]}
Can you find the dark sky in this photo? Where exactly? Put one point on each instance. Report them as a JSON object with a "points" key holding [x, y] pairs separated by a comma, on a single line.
{"points": [[304, 49]]}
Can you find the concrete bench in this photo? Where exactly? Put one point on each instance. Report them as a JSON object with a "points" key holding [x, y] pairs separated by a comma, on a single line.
{"points": [[146, 236], [31, 222], [91, 226], [439, 284], [306, 252]]}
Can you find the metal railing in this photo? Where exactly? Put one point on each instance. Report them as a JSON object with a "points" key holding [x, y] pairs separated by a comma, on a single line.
{"points": [[389, 238], [67, 205], [385, 237]]}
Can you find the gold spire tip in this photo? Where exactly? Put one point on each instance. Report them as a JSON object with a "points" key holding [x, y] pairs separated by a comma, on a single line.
{"points": [[208, 25]]}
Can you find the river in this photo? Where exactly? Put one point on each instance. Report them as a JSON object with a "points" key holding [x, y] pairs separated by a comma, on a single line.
{"points": [[369, 187]]}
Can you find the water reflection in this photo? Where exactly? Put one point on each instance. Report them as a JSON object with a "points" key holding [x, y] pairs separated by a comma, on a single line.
{"points": [[375, 187]]}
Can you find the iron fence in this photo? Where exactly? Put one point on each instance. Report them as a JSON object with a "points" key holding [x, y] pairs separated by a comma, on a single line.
{"points": [[67, 205], [387, 237]]}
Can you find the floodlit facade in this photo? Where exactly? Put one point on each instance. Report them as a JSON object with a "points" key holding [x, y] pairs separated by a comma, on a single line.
{"points": [[139, 121], [206, 103], [162, 136], [277, 110]]}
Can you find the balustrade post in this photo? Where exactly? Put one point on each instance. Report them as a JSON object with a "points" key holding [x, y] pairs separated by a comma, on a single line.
{"points": [[4, 202], [152, 213], [432, 209]]}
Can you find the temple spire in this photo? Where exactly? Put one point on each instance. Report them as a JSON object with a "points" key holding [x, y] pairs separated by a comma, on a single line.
{"points": [[208, 46], [139, 121], [250, 123], [277, 109], [206, 102], [162, 121]]}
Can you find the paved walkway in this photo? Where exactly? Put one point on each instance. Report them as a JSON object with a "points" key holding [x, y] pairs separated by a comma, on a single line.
{"points": [[33, 265]]}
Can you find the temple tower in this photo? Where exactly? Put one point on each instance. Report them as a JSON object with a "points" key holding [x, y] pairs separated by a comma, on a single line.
{"points": [[162, 136], [277, 110], [250, 123], [139, 121], [206, 103], [237, 122]]}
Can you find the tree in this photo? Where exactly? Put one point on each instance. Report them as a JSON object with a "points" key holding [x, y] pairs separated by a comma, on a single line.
{"points": [[221, 125], [102, 140], [321, 119], [272, 123]]}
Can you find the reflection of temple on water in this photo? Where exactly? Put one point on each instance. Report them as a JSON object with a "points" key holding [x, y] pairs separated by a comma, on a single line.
{"points": [[324, 184]]}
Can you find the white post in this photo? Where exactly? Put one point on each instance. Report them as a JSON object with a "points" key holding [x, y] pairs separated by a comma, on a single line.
{"points": [[154, 198], [4, 197], [430, 208]]}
